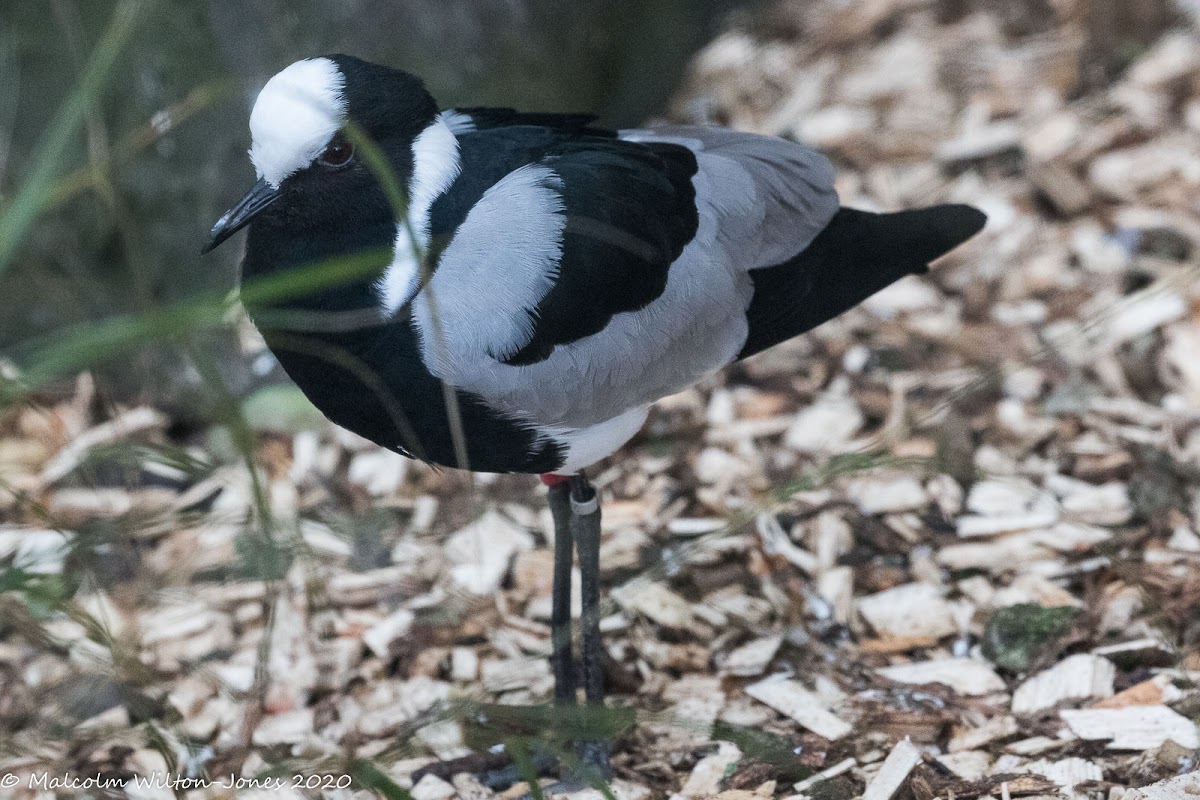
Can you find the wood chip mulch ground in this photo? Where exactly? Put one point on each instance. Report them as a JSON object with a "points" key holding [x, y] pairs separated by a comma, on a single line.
{"points": [[945, 546]]}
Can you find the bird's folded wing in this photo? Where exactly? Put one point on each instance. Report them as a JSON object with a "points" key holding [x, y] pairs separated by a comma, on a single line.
{"points": [[771, 196], [583, 276], [573, 230], [629, 211]]}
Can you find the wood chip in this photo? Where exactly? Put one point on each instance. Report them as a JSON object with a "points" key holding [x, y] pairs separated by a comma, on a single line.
{"points": [[366, 588], [1133, 727], [825, 426], [752, 658], [480, 553], [431, 787], [911, 610], [291, 664], [705, 778], [887, 495], [1182, 787], [515, 673], [993, 730], [1068, 772], [469, 787], [379, 637], [287, 728], [1159, 690], [842, 766], [122, 426], [791, 699], [966, 676], [655, 602], [1079, 676], [1056, 181], [38, 551], [970, 765], [895, 770], [1019, 426]]}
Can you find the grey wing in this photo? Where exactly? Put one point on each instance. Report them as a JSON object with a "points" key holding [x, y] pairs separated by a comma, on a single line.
{"points": [[772, 196], [760, 201], [506, 258]]}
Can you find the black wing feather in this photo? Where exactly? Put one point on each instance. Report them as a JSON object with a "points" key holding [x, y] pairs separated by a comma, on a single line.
{"points": [[487, 118], [856, 255], [631, 209]]}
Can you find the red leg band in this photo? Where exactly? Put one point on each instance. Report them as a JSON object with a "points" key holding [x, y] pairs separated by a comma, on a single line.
{"points": [[550, 479]]}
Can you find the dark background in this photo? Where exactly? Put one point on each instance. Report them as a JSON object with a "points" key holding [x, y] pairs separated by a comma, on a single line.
{"points": [[126, 237]]}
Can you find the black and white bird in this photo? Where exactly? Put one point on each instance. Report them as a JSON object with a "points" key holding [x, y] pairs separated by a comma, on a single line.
{"points": [[551, 279]]}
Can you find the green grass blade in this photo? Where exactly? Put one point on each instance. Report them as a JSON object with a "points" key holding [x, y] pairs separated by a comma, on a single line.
{"points": [[89, 344], [370, 777], [34, 194]]}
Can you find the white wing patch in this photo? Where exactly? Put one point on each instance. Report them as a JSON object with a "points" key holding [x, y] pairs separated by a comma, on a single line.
{"points": [[435, 167], [502, 261], [296, 114]]}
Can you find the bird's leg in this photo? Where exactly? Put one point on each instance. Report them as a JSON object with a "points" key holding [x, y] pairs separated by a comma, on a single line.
{"points": [[560, 610], [585, 526], [561, 661]]}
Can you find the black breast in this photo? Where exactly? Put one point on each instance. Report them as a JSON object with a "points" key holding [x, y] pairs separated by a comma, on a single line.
{"points": [[367, 375]]}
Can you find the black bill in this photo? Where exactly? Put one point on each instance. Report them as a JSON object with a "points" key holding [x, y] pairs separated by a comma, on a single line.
{"points": [[261, 195]]}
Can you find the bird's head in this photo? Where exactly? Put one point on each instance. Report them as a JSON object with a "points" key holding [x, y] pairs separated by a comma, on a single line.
{"points": [[310, 177]]}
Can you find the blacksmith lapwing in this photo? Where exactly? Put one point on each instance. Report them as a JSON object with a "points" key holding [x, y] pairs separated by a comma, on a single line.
{"points": [[548, 281]]}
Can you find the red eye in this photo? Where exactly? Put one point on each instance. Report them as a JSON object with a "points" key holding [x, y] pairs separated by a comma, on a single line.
{"points": [[338, 153]]}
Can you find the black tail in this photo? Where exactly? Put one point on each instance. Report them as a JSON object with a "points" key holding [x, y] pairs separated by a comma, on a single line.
{"points": [[856, 255]]}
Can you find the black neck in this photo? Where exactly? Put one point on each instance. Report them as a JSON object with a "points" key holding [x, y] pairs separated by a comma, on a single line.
{"points": [[272, 251]]}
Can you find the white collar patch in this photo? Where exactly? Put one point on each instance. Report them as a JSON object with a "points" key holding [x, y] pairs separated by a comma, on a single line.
{"points": [[295, 116], [436, 165]]}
